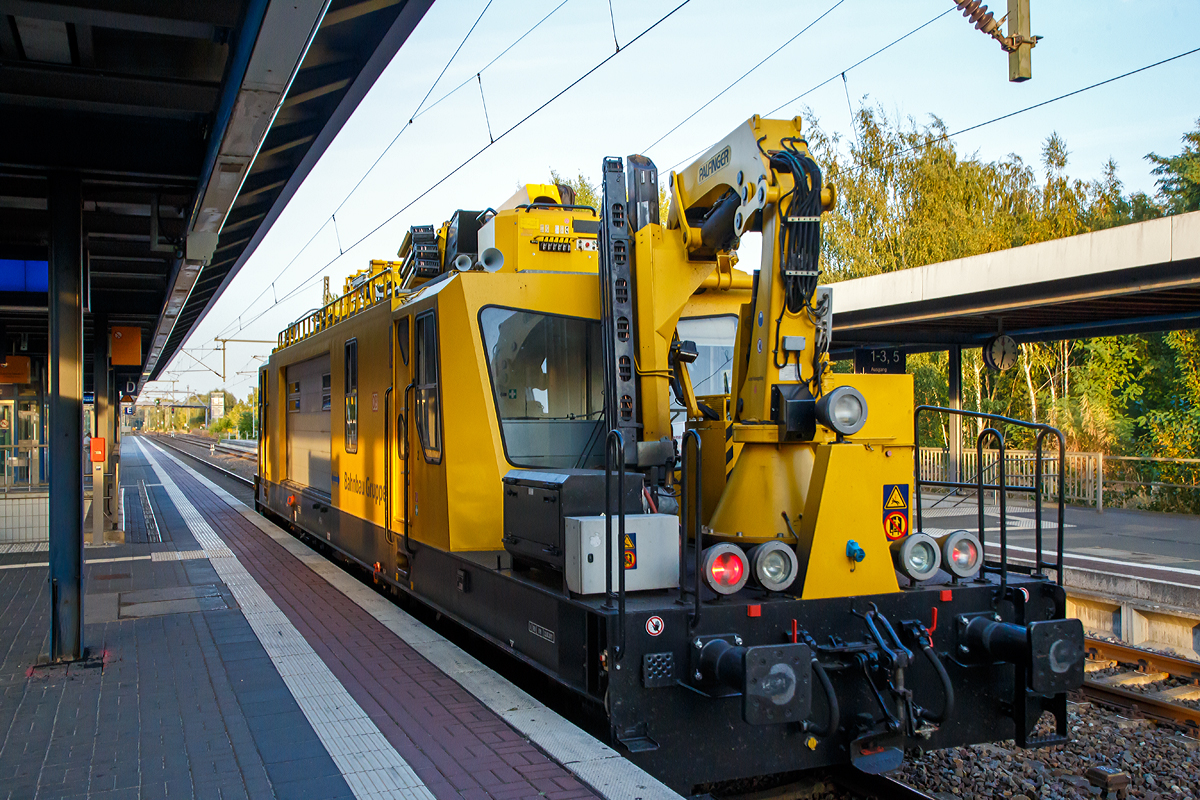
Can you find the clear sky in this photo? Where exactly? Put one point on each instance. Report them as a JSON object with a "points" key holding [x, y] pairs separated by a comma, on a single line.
{"points": [[947, 69]]}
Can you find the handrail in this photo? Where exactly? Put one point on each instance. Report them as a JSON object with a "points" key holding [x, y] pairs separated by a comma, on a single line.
{"points": [[1062, 454], [1000, 486], [358, 299], [690, 494], [387, 465], [406, 457], [614, 437], [554, 207], [1003, 502]]}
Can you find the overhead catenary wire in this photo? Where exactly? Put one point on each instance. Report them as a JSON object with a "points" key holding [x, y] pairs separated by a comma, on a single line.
{"points": [[837, 74], [743, 76], [1012, 114], [304, 284], [416, 112]]}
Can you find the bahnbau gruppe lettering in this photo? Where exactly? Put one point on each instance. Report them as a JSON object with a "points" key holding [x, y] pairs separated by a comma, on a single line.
{"points": [[364, 486]]}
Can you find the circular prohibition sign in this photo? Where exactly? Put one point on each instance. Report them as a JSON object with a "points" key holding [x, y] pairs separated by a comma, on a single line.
{"points": [[655, 626], [895, 525]]}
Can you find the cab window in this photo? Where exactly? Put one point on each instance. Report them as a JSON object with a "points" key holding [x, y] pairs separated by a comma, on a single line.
{"points": [[352, 396], [425, 371], [548, 381]]}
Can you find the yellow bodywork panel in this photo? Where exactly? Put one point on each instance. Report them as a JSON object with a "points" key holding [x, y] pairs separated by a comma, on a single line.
{"points": [[665, 280], [845, 502], [457, 504]]}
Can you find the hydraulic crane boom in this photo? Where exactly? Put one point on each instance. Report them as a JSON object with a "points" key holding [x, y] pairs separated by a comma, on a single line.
{"points": [[792, 418]]}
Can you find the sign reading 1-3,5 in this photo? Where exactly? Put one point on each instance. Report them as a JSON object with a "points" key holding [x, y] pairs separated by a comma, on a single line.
{"points": [[879, 361]]}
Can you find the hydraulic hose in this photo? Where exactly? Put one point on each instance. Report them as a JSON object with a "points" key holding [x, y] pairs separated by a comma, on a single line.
{"points": [[947, 687], [831, 698]]}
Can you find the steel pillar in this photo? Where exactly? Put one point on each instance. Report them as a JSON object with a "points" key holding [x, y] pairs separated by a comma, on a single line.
{"points": [[954, 428], [101, 413], [65, 376]]}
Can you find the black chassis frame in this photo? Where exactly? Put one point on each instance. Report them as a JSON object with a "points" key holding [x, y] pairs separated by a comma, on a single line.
{"points": [[687, 733]]}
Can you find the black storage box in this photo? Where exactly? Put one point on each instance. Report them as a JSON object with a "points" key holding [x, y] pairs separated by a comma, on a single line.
{"points": [[536, 503]]}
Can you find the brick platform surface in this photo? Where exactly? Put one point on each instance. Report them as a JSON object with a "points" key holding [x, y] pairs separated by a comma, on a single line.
{"points": [[179, 698], [456, 745]]}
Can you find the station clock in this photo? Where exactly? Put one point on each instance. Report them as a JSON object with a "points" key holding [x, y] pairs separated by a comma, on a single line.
{"points": [[1000, 353]]}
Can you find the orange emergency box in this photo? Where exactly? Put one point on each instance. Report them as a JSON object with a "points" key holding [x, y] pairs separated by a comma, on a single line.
{"points": [[125, 346], [98, 450]]}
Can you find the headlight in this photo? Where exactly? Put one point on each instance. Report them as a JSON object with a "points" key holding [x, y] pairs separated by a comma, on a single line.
{"points": [[962, 554], [917, 556], [774, 565], [725, 568], [843, 410]]}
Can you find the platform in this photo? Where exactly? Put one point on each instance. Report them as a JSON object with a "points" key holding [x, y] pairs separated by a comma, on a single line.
{"points": [[228, 660], [1144, 545]]}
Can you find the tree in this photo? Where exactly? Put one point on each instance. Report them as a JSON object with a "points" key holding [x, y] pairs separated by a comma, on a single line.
{"points": [[589, 194], [1179, 176], [907, 197]]}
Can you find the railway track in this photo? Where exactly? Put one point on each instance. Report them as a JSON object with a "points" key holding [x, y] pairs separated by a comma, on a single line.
{"points": [[1144, 684], [211, 444], [843, 783], [165, 441]]}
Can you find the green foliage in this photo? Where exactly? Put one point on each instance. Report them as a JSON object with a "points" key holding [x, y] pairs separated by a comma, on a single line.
{"points": [[1179, 176], [589, 194], [906, 197]]}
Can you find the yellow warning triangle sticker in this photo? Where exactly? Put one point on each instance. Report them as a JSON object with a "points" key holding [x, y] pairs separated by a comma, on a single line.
{"points": [[895, 499], [628, 542]]}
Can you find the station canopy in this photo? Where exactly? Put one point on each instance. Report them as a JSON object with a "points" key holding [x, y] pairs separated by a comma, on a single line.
{"points": [[1136, 278], [189, 125]]}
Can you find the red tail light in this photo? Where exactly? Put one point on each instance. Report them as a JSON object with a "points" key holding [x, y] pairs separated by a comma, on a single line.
{"points": [[725, 568]]}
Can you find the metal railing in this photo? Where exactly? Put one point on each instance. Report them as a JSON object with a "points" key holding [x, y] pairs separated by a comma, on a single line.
{"points": [[24, 467], [1089, 479], [377, 288], [997, 471]]}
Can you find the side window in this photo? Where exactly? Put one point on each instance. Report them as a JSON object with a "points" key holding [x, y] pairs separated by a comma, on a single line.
{"points": [[425, 372], [326, 392], [352, 396]]}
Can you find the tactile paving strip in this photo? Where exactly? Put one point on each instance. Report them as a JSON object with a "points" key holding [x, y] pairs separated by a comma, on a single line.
{"points": [[370, 765], [188, 555]]}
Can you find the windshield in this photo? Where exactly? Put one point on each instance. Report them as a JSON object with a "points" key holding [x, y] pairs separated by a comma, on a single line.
{"points": [[547, 376], [712, 371]]}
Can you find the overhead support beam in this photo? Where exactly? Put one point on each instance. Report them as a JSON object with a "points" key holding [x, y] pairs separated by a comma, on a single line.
{"points": [[66, 418], [241, 223], [358, 10], [313, 94], [200, 20], [111, 144], [38, 83], [280, 148]]}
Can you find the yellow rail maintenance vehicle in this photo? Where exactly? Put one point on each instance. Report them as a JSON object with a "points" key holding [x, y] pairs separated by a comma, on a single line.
{"points": [[585, 436]]}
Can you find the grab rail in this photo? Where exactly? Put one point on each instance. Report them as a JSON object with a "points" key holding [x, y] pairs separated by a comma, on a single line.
{"points": [[615, 438], [690, 495], [1000, 487]]}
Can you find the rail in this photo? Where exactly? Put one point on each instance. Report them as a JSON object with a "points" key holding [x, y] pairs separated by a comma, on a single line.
{"points": [[377, 288], [1157, 706], [1000, 485], [161, 440]]}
